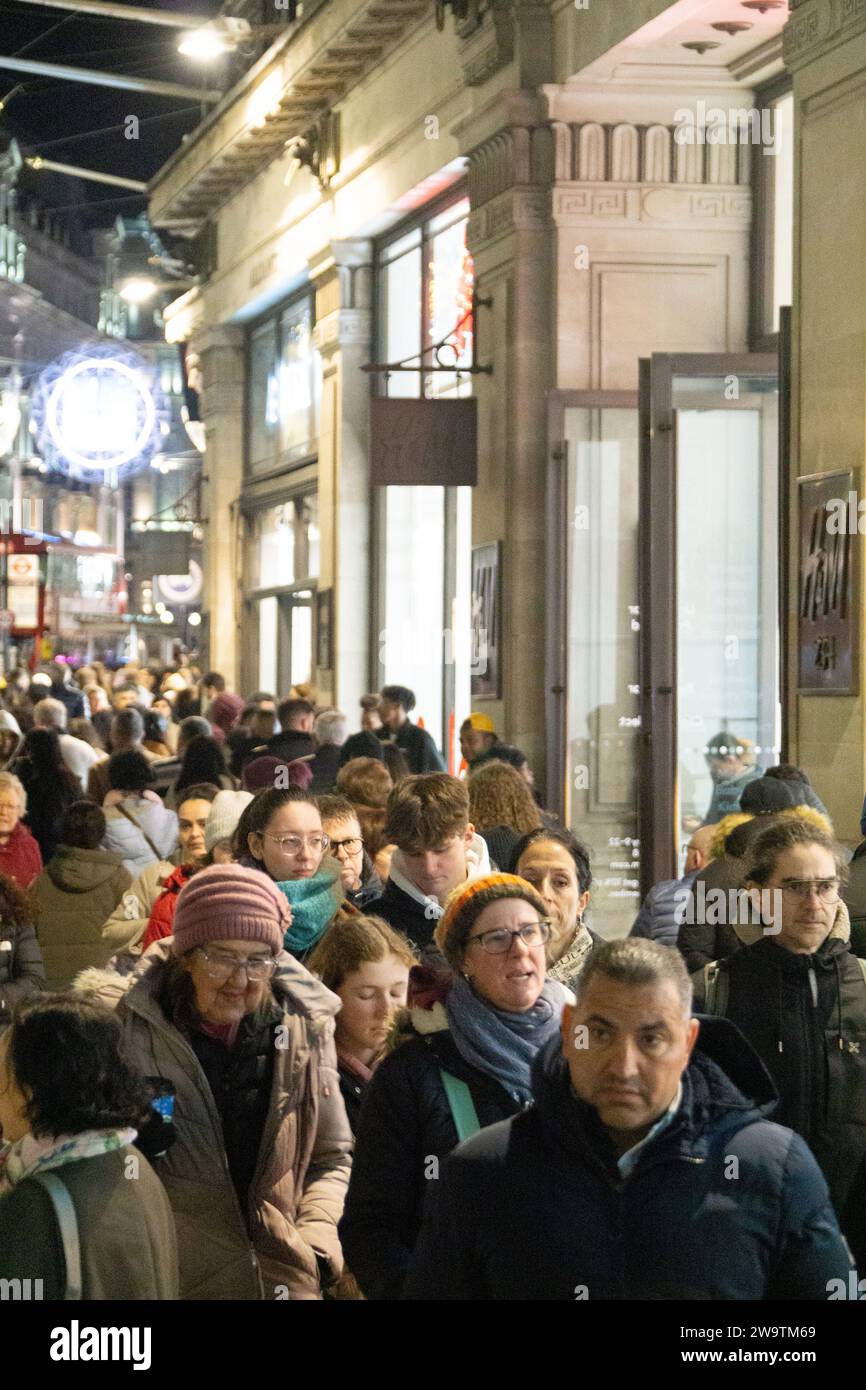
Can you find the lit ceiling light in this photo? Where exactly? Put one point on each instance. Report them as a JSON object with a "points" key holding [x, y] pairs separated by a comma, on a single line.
{"points": [[203, 44], [138, 290], [166, 616], [194, 619], [219, 36]]}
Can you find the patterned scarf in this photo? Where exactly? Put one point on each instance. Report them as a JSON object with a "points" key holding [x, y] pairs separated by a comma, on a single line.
{"points": [[24, 1157], [503, 1044]]}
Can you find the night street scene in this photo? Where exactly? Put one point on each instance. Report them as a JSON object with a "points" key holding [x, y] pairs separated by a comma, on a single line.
{"points": [[432, 719]]}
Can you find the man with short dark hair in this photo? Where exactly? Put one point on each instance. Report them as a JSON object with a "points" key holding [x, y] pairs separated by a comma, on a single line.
{"points": [[427, 818], [295, 739], [645, 1169], [395, 705], [212, 684]]}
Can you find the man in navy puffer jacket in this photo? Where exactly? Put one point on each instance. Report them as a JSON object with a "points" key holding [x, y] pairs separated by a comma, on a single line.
{"points": [[645, 1169]]}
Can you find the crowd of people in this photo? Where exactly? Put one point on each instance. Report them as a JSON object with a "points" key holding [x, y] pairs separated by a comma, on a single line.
{"points": [[342, 1016]]}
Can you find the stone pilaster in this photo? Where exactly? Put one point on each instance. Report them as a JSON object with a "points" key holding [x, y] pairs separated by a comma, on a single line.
{"points": [[342, 276], [825, 50], [221, 352], [510, 238]]}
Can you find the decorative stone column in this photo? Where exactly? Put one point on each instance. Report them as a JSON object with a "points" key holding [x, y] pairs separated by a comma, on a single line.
{"points": [[825, 50], [342, 276], [510, 238], [221, 353]]}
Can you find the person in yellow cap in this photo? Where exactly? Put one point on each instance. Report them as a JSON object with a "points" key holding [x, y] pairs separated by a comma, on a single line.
{"points": [[477, 736]]}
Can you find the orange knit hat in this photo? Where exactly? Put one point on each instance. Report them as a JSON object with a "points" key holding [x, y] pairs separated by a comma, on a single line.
{"points": [[466, 903]]}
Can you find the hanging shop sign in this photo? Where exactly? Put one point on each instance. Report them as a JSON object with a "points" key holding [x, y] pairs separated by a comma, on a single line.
{"points": [[180, 588], [828, 609], [423, 443], [100, 414]]}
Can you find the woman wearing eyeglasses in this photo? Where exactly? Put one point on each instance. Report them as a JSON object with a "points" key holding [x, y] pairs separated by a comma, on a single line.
{"points": [[280, 833], [464, 1063], [798, 994], [237, 1040]]}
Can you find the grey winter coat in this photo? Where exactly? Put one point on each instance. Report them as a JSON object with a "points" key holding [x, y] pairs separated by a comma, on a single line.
{"points": [[277, 1247]]}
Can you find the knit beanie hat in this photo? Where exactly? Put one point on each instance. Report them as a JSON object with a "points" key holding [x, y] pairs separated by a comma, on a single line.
{"points": [[467, 902], [261, 773], [226, 710], [228, 902], [765, 795], [222, 818]]}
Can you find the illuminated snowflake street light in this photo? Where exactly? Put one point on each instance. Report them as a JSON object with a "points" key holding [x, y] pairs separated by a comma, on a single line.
{"points": [[100, 414]]}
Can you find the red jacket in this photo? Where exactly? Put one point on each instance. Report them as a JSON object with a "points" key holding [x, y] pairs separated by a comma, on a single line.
{"points": [[162, 915], [20, 857]]}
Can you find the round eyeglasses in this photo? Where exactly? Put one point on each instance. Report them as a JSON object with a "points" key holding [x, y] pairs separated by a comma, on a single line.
{"points": [[293, 844], [498, 941], [220, 967]]}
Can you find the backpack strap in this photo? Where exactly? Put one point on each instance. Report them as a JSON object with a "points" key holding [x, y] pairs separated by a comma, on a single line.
{"points": [[716, 985], [461, 1105], [67, 1221]]}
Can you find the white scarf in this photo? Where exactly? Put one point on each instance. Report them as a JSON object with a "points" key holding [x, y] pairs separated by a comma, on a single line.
{"points": [[477, 866]]}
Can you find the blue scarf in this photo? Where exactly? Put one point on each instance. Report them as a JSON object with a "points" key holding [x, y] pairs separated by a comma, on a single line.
{"points": [[314, 903], [503, 1044]]}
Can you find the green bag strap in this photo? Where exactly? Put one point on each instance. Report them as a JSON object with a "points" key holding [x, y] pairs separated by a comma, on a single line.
{"points": [[461, 1105], [67, 1223]]}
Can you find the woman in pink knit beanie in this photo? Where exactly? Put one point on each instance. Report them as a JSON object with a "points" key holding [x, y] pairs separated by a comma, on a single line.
{"points": [[237, 1039]]}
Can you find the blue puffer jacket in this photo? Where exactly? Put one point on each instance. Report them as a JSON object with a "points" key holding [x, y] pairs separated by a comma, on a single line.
{"points": [[720, 1205], [662, 911]]}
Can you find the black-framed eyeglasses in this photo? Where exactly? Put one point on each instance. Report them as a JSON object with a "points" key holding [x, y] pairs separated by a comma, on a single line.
{"points": [[497, 941], [220, 967], [350, 846]]}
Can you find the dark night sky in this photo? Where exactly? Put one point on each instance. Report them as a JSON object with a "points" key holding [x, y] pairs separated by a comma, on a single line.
{"points": [[55, 117]]}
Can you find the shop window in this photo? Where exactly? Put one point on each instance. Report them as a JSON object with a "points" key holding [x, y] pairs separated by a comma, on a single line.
{"points": [[283, 557], [425, 279], [284, 390]]}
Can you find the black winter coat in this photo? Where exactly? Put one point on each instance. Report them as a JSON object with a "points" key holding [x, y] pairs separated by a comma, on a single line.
{"points": [[816, 1055], [536, 1208], [404, 1133], [418, 749], [699, 941], [405, 914], [22, 972]]}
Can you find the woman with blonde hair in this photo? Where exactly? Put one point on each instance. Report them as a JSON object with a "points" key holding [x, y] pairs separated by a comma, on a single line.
{"points": [[366, 963]]}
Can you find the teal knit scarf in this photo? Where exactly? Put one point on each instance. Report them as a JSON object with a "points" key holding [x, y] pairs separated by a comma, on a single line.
{"points": [[314, 903]]}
